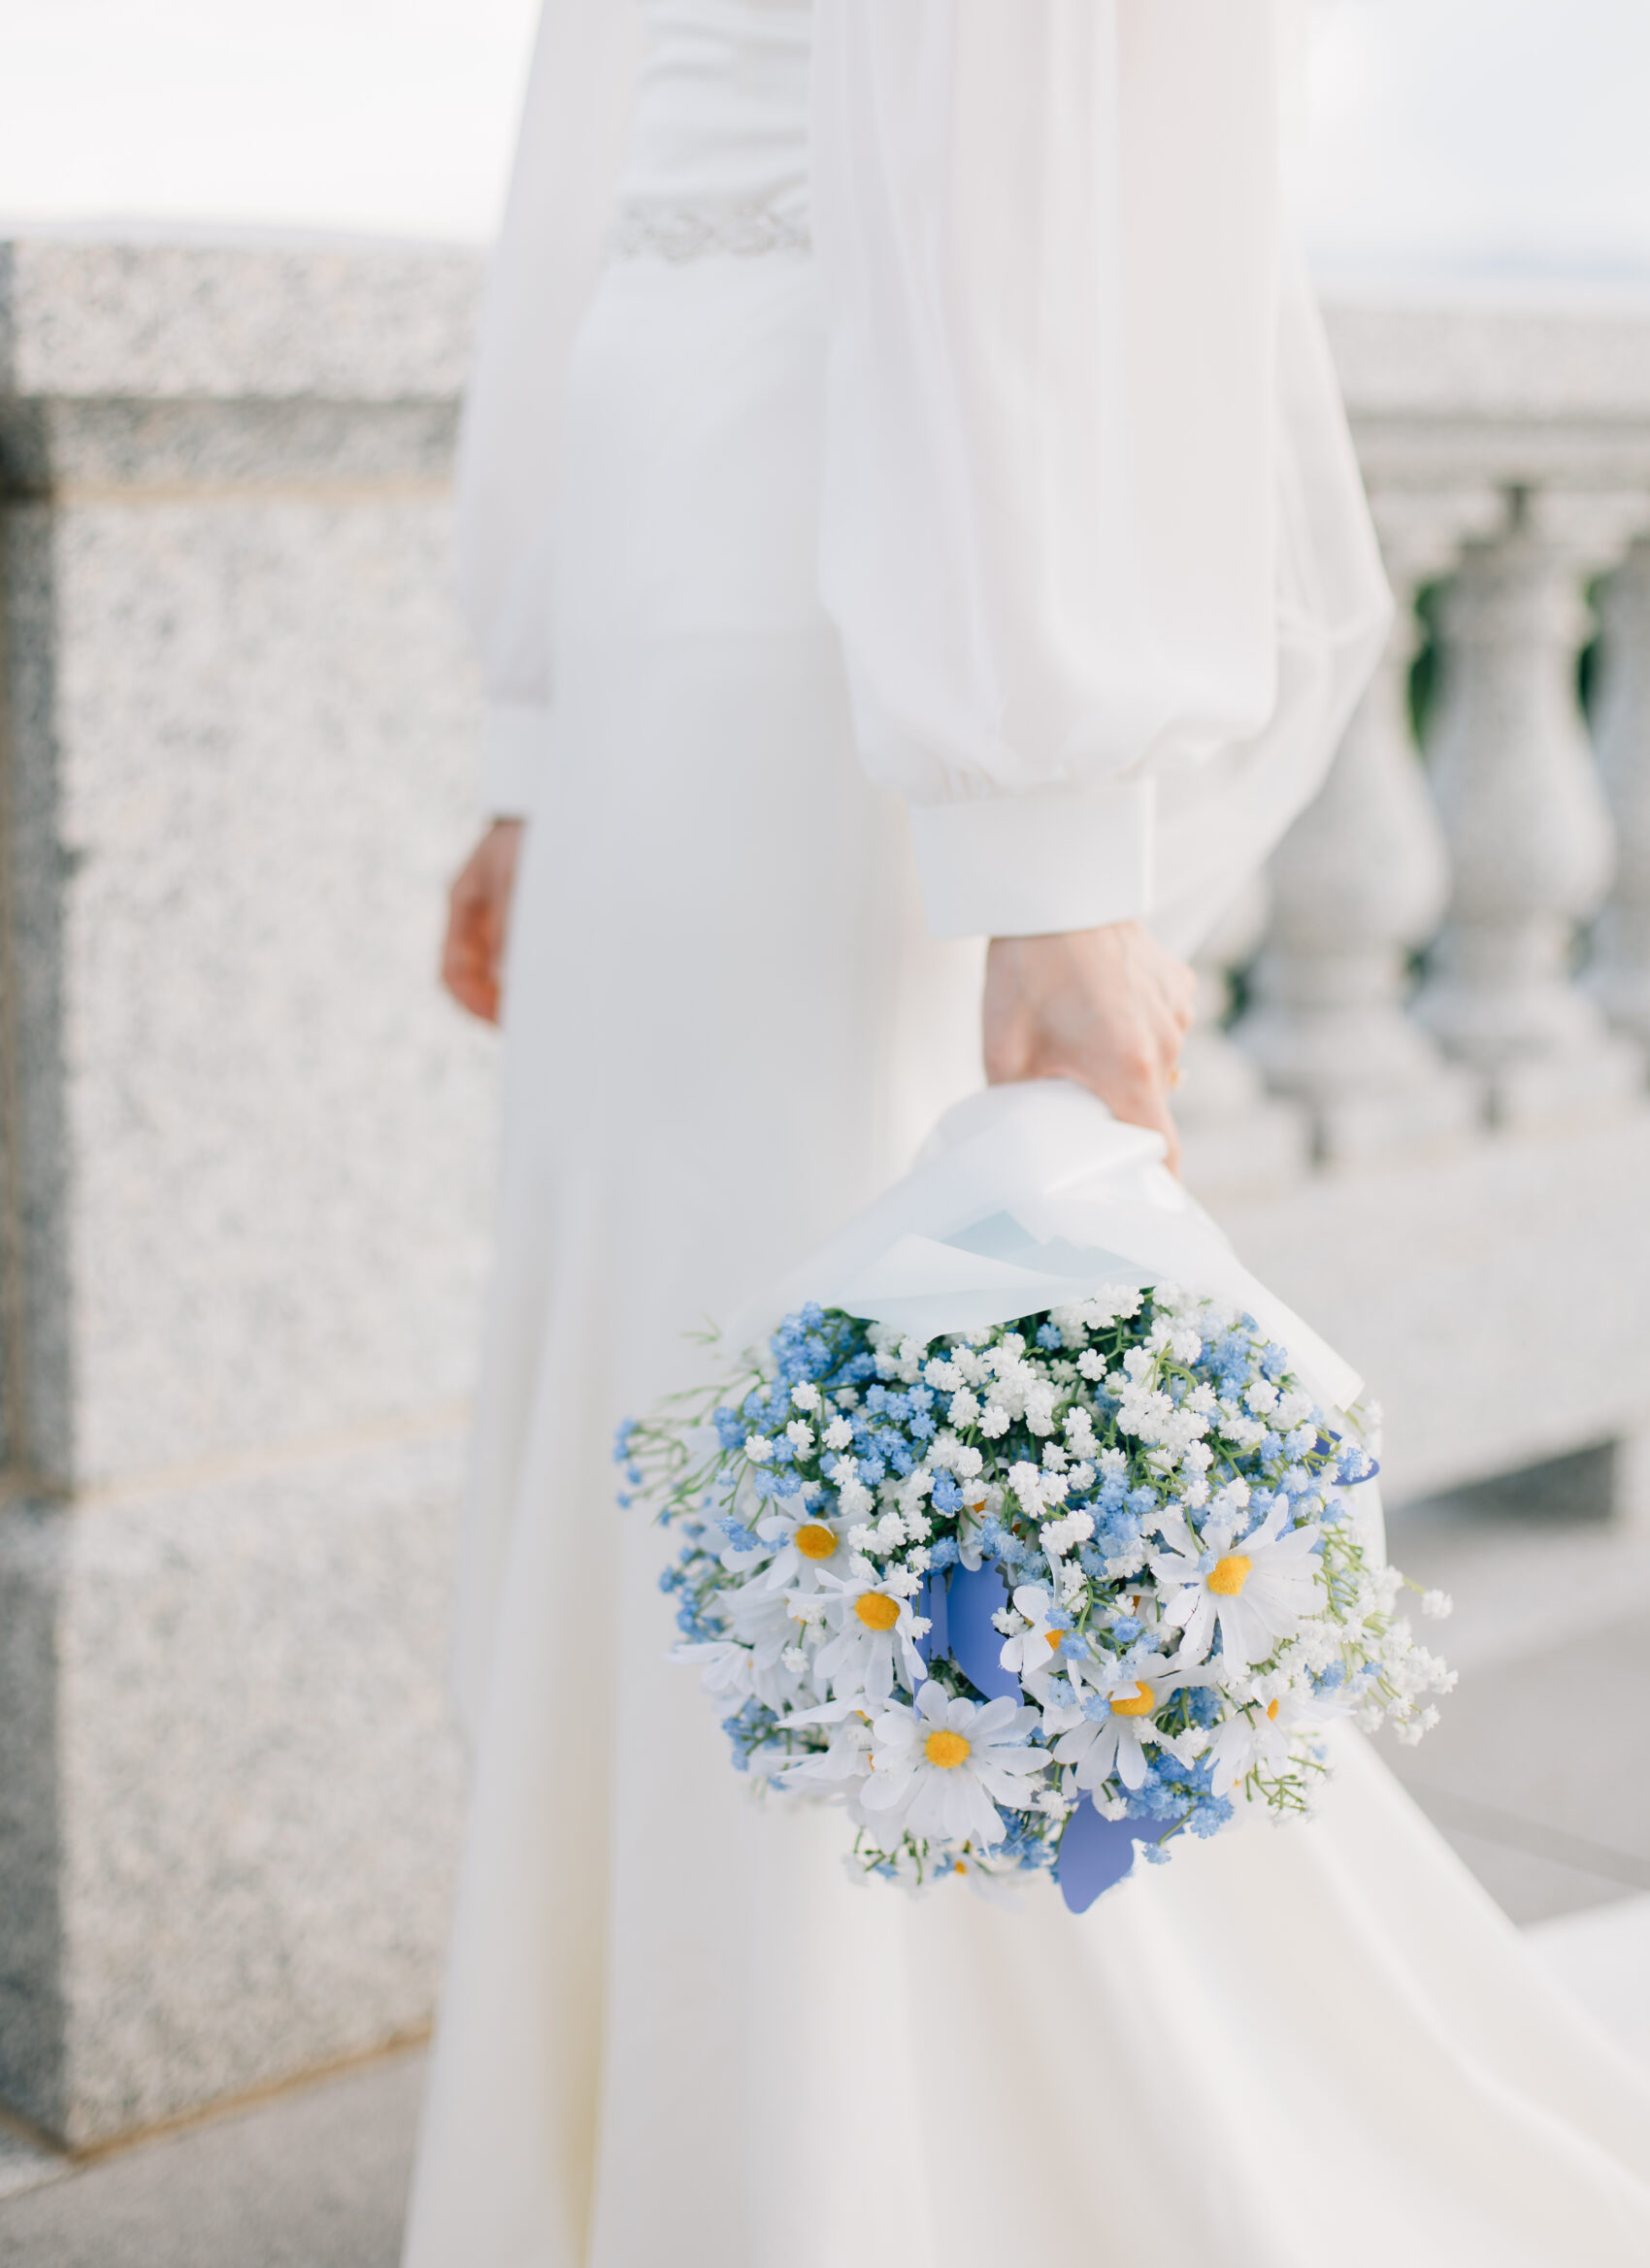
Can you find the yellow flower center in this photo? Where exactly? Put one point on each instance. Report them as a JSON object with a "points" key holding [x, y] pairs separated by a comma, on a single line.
{"points": [[1054, 1637], [1139, 1703], [877, 1610], [815, 1543], [945, 1749], [1271, 1711], [1228, 1576]]}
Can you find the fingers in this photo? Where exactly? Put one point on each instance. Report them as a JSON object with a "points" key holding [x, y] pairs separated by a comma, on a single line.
{"points": [[470, 953], [1130, 1068], [1108, 1008], [470, 974], [1155, 1113], [1136, 1092], [1182, 985], [1008, 1052], [478, 920]]}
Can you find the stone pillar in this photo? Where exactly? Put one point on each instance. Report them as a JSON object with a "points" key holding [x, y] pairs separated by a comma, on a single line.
{"points": [[1619, 976], [1529, 833], [1361, 881], [1238, 1142], [237, 1301]]}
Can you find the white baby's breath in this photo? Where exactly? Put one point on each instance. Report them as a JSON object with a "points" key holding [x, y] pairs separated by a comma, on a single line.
{"points": [[1177, 1588]]}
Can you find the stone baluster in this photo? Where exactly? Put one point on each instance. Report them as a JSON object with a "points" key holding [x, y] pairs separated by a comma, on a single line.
{"points": [[1529, 833], [1619, 977], [1239, 1141], [1361, 881]]}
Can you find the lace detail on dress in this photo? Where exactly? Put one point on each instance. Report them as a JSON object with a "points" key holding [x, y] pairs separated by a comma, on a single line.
{"points": [[648, 231]]}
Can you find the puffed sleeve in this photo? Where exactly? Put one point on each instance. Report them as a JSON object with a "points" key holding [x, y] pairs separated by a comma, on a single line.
{"points": [[1058, 458], [543, 270]]}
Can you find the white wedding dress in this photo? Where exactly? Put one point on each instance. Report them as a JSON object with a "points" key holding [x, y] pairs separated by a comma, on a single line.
{"points": [[673, 2033]]}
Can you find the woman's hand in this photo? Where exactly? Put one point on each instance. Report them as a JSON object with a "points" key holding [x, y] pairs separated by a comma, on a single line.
{"points": [[477, 920], [1109, 1007]]}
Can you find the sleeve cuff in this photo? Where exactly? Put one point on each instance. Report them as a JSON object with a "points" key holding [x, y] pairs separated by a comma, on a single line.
{"points": [[1029, 866], [513, 733]]}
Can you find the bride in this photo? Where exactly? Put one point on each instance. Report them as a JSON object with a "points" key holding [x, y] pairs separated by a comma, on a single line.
{"points": [[906, 505]]}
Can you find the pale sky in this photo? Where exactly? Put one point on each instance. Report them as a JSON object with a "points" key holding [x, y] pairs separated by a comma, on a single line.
{"points": [[1507, 136]]}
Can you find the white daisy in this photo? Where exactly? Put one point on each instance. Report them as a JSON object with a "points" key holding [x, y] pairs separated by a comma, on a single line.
{"points": [[1121, 1722], [1262, 1735], [845, 1762], [978, 1499], [938, 1766], [1028, 1650], [997, 1880], [724, 1668], [802, 1543], [874, 1629], [1258, 1593], [764, 1623]]}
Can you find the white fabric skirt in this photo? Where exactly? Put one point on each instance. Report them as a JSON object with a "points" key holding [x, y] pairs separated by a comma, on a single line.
{"points": [[672, 2030]]}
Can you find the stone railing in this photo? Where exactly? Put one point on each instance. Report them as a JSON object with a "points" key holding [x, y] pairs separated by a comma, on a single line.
{"points": [[245, 1146], [1456, 1159], [243, 1187]]}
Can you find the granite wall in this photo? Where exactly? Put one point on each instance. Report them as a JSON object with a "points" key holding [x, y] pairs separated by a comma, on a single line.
{"points": [[245, 1158]]}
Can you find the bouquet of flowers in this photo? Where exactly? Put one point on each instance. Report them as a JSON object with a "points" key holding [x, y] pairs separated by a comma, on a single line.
{"points": [[1021, 1595]]}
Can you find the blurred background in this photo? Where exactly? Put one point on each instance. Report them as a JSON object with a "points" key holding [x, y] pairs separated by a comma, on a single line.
{"points": [[1489, 138], [244, 1145]]}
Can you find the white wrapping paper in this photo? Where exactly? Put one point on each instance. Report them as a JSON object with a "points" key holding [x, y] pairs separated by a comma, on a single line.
{"points": [[1028, 1197]]}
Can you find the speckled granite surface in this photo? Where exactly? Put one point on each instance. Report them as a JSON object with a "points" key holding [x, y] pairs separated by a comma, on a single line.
{"points": [[246, 1219]]}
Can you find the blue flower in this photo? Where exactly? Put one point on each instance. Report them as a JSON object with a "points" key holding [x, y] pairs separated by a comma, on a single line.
{"points": [[890, 1422]]}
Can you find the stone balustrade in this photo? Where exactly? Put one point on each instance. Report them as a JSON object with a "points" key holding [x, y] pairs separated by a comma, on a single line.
{"points": [[1454, 981], [1509, 461], [244, 1164], [244, 1145]]}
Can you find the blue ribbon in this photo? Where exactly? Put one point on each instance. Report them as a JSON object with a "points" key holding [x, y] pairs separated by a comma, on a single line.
{"points": [[1094, 1852], [975, 1643], [931, 1602]]}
